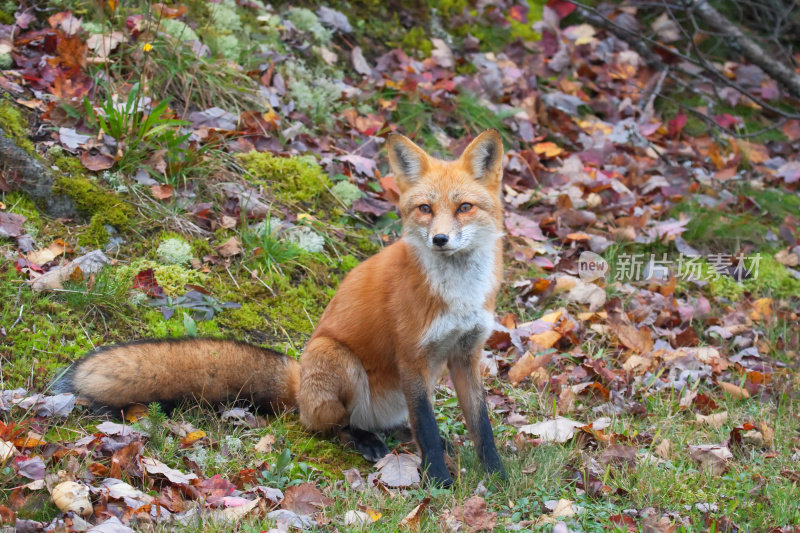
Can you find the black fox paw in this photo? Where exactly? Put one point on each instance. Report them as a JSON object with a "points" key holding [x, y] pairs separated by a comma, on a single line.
{"points": [[367, 443]]}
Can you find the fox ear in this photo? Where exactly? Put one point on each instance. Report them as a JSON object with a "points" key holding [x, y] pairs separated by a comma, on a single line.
{"points": [[484, 157], [407, 160]]}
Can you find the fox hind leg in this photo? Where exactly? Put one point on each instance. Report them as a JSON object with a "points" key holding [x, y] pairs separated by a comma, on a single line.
{"points": [[325, 384]]}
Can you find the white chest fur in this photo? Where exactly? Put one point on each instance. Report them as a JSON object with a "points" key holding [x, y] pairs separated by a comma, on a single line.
{"points": [[464, 282]]}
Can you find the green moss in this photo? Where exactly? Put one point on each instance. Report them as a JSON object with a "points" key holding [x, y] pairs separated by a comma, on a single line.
{"points": [[20, 204], [172, 278], [348, 263], [247, 318], [292, 178], [416, 40], [92, 200], [157, 327], [772, 280], [327, 456], [47, 335], [104, 207], [15, 126]]}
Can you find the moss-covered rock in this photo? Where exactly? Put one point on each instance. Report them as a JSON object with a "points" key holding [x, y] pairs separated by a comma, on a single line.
{"points": [[294, 179], [103, 207], [15, 126]]}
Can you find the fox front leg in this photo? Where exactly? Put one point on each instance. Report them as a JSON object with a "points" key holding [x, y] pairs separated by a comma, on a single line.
{"points": [[426, 432], [466, 378]]}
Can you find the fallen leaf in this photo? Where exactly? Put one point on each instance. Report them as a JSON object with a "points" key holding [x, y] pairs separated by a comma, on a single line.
{"points": [[265, 444], [619, 455], [153, 466], [412, 520], [716, 420], [95, 160], [399, 470], [526, 365], [162, 192], [11, 225], [230, 247], [734, 390], [559, 429], [305, 499], [474, 515], [713, 457]]}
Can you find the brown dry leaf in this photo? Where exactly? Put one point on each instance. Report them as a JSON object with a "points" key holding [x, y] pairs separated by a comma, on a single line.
{"points": [[474, 515], [46, 255], [230, 247], [768, 434], [399, 470], [637, 363], [787, 258], [566, 401], [265, 444], [526, 365], [161, 192], [102, 44], [154, 466], [663, 449], [734, 390], [96, 161], [716, 420], [305, 499], [713, 457], [412, 519], [638, 340], [619, 455]]}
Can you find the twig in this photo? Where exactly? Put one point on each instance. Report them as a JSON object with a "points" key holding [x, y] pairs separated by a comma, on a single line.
{"points": [[636, 40], [750, 49], [259, 280], [19, 317]]}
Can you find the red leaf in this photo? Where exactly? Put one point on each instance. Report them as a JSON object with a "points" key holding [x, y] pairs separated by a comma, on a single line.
{"points": [[676, 124], [146, 282], [725, 120], [561, 7]]}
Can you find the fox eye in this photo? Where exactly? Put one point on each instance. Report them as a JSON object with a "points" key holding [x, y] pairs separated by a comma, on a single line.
{"points": [[463, 208], [424, 208]]}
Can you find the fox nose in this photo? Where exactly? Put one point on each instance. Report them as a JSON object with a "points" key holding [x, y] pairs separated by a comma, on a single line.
{"points": [[440, 239]]}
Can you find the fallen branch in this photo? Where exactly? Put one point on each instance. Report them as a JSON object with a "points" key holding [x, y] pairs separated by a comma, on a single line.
{"points": [[750, 49]]}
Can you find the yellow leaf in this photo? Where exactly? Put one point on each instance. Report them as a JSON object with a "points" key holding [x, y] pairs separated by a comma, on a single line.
{"points": [[552, 318], [193, 437], [547, 149], [547, 339], [135, 412], [762, 308]]}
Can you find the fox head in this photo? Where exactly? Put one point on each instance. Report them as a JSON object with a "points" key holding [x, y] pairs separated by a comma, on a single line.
{"points": [[449, 206]]}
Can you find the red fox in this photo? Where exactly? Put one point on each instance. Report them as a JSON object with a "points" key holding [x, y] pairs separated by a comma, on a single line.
{"points": [[423, 303]]}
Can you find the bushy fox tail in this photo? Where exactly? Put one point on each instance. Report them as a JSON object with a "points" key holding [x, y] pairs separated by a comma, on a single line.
{"points": [[168, 371]]}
